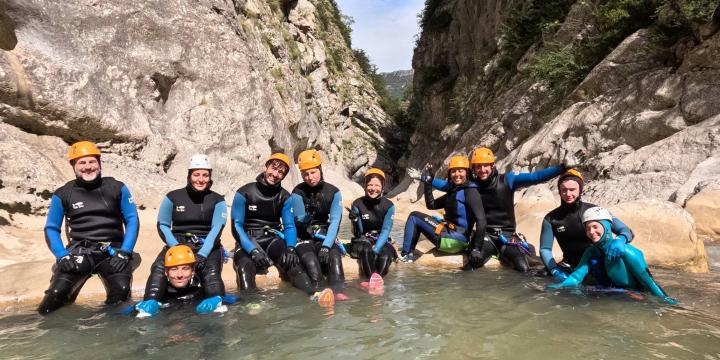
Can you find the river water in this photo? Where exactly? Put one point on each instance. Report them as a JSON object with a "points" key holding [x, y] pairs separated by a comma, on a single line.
{"points": [[423, 313]]}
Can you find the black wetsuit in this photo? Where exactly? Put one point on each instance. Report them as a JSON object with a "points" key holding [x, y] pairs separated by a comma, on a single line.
{"points": [[196, 219], [318, 211], [372, 220], [564, 223], [96, 212], [191, 294], [257, 210], [463, 210], [498, 198]]}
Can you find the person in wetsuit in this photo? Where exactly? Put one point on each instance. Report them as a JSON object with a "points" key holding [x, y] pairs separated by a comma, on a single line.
{"points": [[194, 216], [101, 226], [264, 228], [371, 217], [182, 285], [628, 270], [497, 191], [318, 211], [564, 223], [463, 210]]}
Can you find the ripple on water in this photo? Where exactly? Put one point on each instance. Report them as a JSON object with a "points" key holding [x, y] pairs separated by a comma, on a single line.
{"points": [[424, 313]]}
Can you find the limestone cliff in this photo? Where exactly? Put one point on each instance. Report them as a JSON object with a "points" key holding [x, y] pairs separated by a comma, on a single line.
{"points": [[636, 83], [155, 81]]}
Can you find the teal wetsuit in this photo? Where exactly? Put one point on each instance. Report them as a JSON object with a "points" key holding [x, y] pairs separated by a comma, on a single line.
{"points": [[629, 271]]}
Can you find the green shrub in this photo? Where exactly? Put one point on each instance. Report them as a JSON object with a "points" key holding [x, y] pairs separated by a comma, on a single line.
{"points": [[434, 74], [560, 67], [328, 14], [525, 23]]}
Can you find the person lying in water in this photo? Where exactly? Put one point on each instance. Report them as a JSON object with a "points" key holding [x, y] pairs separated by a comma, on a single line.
{"points": [[628, 271], [183, 286]]}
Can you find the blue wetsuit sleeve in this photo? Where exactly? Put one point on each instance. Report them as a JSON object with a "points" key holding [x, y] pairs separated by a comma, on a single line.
{"points": [[385, 230], [164, 222], [52, 227], [216, 226], [237, 214], [619, 228], [131, 219], [440, 184], [546, 243], [298, 208], [335, 217], [288, 221], [519, 180], [581, 270]]}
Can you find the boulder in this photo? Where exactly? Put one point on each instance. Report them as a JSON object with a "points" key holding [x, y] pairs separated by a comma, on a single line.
{"points": [[705, 208], [665, 233]]}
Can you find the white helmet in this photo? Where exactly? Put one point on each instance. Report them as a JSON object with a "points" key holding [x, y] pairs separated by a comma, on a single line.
{"points": [[199, 161], [596, 213]]}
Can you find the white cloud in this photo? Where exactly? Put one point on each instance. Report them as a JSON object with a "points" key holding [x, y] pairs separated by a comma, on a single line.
{"points": [[385, 29]]}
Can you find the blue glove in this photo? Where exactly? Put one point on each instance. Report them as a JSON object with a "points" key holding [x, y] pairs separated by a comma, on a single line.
{"points": [[150, 307], [671, 301], [230, 299], [615, 248], [208, 305], [558, 274], [555, 286]]}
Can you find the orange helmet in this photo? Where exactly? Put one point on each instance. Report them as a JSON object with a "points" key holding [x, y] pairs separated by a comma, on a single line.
{"points": [[179, 255], [375, 171], [482, 155], [309, 159], [82, 149], [459, 161], [281, 157], [574, 175]]}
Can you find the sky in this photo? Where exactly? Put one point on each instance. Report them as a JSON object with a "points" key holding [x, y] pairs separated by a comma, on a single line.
{"points": [[385, 29]]}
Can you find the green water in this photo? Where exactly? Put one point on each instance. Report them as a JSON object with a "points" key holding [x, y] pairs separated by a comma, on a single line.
{"points": [[424, 313]]}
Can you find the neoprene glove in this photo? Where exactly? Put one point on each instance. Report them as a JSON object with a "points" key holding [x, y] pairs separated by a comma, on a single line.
{"points": [[260, 259], [67, 264], [147, 308], [558, 274], [573, 160], [413, 173], [615, 249], [290, 257], [208, 305], [324, 255], [475, 258], [352, 215], [200, 262], [427, 174], [119, 261]]}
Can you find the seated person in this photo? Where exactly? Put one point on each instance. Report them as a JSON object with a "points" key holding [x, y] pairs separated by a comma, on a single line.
{"points": [[182, 286], [371, 217], [463, 211], [564, 224], [627, 271]]}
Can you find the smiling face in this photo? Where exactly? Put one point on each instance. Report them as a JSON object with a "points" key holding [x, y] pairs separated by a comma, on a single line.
{"points": [[87, 168], [275, 172], [569, 191], [458, 176], [594, 231], [179, 276], [200, 179], [373, 187], [482, 171], [312, 176]]}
